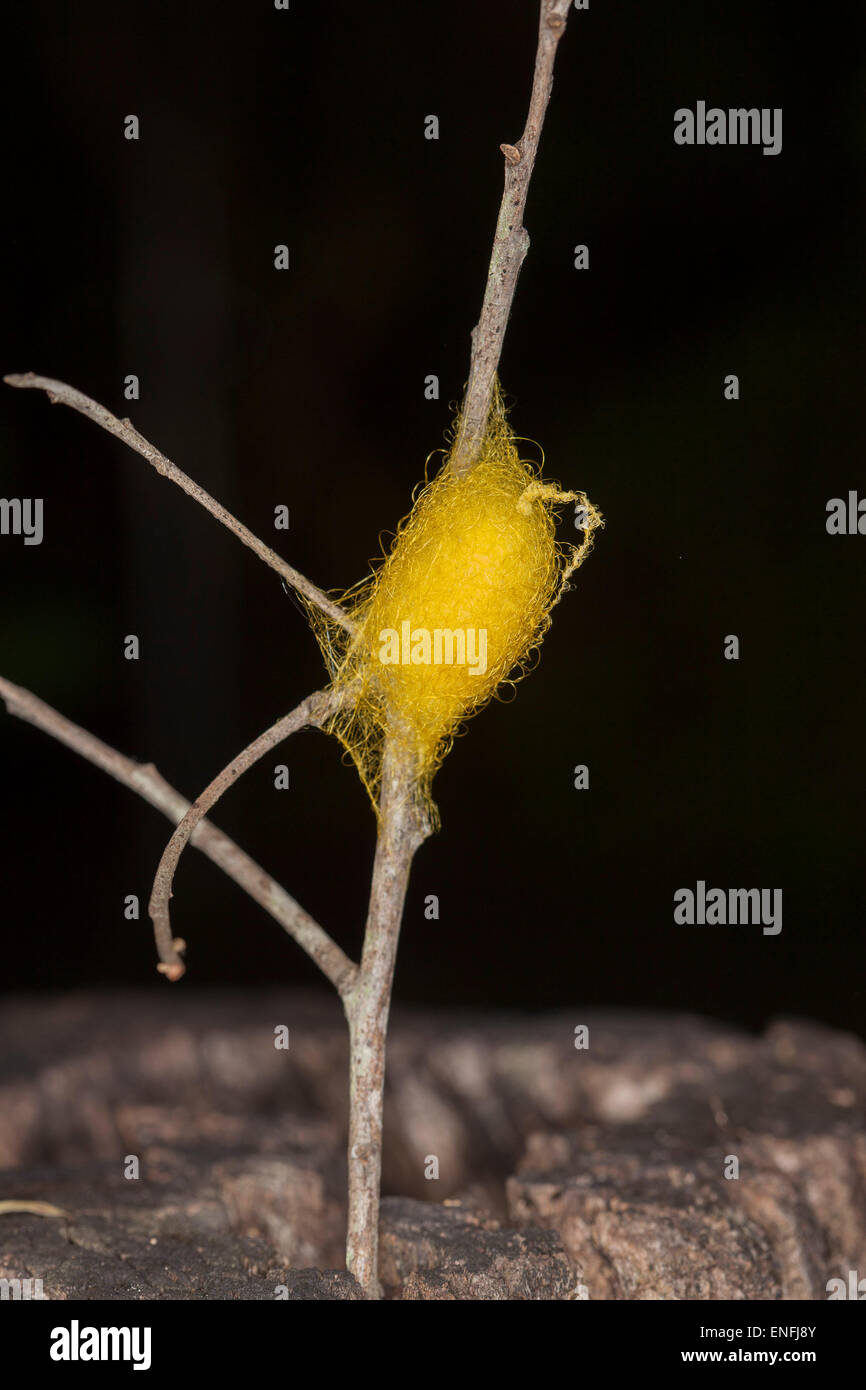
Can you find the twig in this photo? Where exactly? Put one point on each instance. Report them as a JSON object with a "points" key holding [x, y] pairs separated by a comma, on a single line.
{"points": [[310, 712], [59, 393], [510, 245], [14, 1208], [367, 1004], [401, 830], [144, 779]]}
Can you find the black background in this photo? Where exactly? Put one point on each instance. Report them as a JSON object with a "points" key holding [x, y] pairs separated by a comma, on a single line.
{"points": [[306, 388]]}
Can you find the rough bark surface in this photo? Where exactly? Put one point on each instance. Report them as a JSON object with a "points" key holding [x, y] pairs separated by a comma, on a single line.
{"points": [[563, 1173], [434, 1251]]}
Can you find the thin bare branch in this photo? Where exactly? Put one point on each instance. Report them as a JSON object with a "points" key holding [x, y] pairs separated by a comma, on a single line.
{"points": [[510, 245], [311, 712], [144, 779], [59, 393], [401, 828], [14, 1208], [402, 831]]}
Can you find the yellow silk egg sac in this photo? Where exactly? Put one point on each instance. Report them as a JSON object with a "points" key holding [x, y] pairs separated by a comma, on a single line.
{"points": [[454, 610]]}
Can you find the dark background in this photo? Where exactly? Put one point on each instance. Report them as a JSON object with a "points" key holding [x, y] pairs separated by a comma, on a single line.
{"points": [[306, 388]]}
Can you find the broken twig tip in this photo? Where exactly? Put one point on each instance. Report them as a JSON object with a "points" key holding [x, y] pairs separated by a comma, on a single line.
{"points": [[172, 972]]}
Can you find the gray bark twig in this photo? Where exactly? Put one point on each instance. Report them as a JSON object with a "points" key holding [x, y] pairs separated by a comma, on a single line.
{"points": [[401, 831], [144, 779], [59, 393], [510, 245], [367, 1005]]}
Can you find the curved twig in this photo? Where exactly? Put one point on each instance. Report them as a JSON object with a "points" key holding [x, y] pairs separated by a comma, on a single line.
{"points": [[144, 779], [311, 712], [59, 393], [13, 1207]]}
